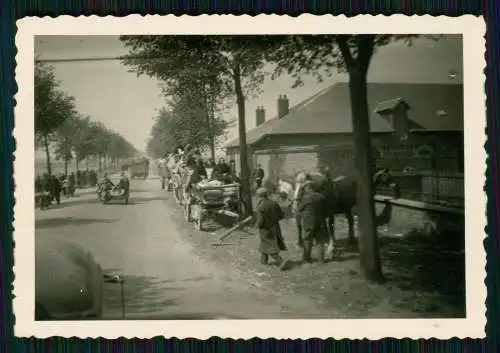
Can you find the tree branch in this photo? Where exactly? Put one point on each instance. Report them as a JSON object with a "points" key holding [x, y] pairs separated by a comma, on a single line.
{"points": [[344, 49]]}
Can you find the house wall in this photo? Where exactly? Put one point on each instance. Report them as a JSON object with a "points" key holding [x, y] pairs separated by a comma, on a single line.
{"points": [[282, 156]]}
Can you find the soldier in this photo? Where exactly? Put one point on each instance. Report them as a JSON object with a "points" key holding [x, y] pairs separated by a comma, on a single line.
{"points": [[311, 209], [55, 189], [269, 213], [72, 184], [123, 184]]}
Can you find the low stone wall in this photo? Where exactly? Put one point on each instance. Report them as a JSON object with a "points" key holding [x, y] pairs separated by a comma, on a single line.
{"points": [[416, 215]]}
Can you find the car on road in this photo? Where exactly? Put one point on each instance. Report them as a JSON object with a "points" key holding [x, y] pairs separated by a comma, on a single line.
{"points": [[68, 281]]}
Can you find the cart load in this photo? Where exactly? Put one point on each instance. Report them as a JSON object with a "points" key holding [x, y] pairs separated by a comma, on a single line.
{"points": [[212, 198]]}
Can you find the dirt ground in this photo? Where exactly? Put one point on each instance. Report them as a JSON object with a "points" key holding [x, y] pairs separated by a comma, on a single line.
{"points": [[425, 277]]}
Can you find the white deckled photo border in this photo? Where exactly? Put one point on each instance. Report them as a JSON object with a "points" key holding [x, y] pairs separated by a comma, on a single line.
{"points": [[473, 31]]}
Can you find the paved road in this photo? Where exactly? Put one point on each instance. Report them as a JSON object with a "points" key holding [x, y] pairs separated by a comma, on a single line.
{"points": [[148, 242]]}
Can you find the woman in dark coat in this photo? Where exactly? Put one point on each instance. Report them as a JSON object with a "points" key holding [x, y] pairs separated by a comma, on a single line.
{"points": [[269, 213]]}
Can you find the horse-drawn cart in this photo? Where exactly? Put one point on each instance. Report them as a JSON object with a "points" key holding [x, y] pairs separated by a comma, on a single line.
{"points": [[209, 200]]}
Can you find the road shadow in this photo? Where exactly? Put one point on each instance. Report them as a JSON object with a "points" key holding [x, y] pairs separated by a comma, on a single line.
{"points": [[69, 202], [432, 264], [137, 199], [65, 221], [133, 191], [144, 294]]}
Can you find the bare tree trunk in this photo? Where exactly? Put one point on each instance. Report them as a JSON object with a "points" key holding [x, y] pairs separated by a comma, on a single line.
{"points": [[358, 69], [47, 154], [246, 197], [211, 127], [368, 245], [210, 118]]}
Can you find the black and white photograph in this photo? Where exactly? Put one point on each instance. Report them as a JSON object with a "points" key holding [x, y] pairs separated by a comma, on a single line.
{"points": [[217, 180]]}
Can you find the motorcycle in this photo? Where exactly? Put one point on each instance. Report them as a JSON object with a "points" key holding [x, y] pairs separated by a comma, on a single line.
{"points": [[111, 194]]}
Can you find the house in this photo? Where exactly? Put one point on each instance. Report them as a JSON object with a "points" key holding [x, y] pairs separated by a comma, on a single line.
{"points": [[412, 125]]}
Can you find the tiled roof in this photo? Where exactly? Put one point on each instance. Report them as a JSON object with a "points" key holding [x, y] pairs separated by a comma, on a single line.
{"points": [[266, 128], [329, 111]]}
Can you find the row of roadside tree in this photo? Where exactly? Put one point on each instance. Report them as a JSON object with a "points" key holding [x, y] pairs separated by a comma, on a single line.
{"points": [[62, 130]]}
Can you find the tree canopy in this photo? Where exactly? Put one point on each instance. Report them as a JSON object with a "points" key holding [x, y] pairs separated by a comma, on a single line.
{"points": [[213, 68]]}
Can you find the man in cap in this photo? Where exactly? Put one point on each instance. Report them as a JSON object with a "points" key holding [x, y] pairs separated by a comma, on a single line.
{"points": [[311, 209], [269, 214]]}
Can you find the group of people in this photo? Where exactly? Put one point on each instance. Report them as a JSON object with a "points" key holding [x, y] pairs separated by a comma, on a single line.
{"points": [[309, 208], [86, 178], [49, 188]]}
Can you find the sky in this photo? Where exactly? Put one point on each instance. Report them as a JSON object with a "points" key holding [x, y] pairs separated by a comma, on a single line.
{"points": [[107, 92]]}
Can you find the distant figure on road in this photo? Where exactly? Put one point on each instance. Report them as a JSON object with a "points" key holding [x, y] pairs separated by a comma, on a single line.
{"points": [[259, 176], [79, 178], [71, 180], [38, 184], [55, 188], [311, 211], [93, 178], [123, 184], [269, 214], [107, 181], [104, 186]]}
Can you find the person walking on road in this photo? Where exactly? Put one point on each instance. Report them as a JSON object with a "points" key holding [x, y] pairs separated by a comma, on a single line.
{"points": [[56, 189], [312, 220], [72, 183], [269, 214]]}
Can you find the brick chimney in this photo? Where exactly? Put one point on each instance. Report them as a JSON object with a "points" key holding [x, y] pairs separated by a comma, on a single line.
{"points": [[395, 111], [283, 106], [260, 116]]}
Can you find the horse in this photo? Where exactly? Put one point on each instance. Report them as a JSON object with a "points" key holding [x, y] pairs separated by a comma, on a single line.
{"points": [[341, 197]]}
